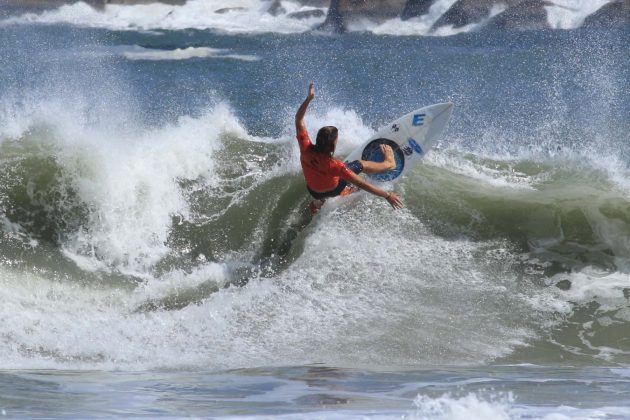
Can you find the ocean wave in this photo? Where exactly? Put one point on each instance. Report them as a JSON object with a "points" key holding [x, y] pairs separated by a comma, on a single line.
{"points": [[190, 243], [538, 204], [123, 191]]}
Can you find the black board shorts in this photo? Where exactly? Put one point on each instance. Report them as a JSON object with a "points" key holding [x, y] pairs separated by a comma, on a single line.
{"points": [[355, 166]]}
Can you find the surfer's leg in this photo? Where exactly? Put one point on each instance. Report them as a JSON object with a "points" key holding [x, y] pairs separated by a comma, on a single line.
{"points": [[320, 198], [388, 163], [315, 206]]}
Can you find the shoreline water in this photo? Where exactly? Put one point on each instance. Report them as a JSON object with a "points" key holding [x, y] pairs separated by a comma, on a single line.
{"points": [[322, 392]]}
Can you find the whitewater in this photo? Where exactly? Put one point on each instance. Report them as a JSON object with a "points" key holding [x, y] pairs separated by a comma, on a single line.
{"points": [[157, 256]]}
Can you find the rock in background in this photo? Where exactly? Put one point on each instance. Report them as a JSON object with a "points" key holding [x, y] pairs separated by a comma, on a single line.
{"points": [[524, 15], [518, 14], [466, 12], [415, 8], [615, 13]]}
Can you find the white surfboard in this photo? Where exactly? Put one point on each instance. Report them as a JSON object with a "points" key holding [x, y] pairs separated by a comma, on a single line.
{"points": [[410, 136]]}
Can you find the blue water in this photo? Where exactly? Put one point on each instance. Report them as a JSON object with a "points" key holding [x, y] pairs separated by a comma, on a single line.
{"points": [[157, 257]]}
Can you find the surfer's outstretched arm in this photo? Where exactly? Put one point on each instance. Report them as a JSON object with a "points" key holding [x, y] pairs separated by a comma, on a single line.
{"points": [[299, 116], [392, 198]]}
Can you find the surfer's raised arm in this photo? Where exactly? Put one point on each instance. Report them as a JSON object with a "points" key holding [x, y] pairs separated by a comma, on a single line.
{"points": [[299, 116]]}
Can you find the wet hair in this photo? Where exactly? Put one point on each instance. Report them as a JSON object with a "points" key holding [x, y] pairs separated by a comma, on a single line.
{"points": [[325, 141]]}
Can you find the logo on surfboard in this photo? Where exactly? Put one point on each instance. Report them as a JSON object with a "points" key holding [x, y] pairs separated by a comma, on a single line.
{"points": [[418, 119], [373, 152], [415, 146]]}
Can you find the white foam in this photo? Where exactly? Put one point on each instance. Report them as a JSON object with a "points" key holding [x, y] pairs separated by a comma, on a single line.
{"points": [[504, 177], [570, 14], [244, 16], [42, 328], [130, 181], [618, 172], [15, 231], [176, 281], [469, 407], [420, 25], [365, 275], [128, 177], [140, 53], [587, 286], [383, 270], [502, 406], [591, 284]]}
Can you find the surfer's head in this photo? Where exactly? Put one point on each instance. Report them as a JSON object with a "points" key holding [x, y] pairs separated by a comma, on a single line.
{"points": [[326, 140]]}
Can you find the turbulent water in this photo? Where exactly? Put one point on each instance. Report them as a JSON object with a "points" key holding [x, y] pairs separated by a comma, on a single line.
{"points": [[157, 256]]}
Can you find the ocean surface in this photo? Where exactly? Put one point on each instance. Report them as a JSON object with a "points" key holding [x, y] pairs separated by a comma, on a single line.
{"points": [[157, 257]]}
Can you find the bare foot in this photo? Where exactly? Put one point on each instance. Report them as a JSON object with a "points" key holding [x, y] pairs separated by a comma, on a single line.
{"points": [[315, 206], [388, 154]]}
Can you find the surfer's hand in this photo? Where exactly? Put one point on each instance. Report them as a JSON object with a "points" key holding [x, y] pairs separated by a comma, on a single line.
{"points": [[394, 200], [311, 91]]}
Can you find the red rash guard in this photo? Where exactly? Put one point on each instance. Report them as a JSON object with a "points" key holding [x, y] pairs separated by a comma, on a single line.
{"points": [[322, 172]]}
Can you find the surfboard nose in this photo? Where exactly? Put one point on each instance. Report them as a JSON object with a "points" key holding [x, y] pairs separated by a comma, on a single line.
{"points": [[444, 110], [441, 116], [438, 110]]}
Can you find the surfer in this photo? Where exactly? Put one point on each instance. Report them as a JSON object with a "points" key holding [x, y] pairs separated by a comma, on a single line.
{"points": [[328, 177]]}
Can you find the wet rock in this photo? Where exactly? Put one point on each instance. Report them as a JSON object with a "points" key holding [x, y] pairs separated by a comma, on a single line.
{"points": [[611, 14], [374, 9], [341, 11], [525, 15], [314, 3], [276, 9], [415, 8], [465, 12], [334, 20], [307, 14]]}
